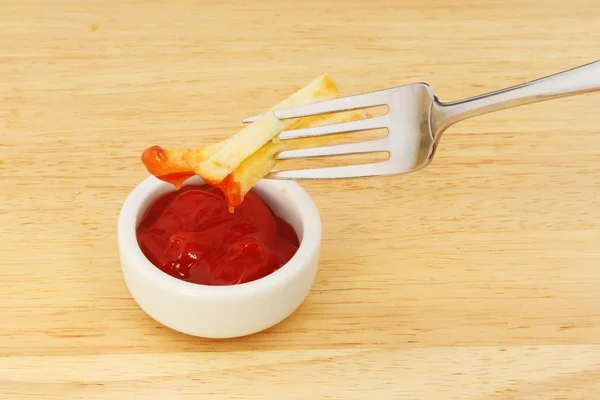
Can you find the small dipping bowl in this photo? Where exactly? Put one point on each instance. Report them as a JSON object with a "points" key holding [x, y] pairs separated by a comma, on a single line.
{"points": [[222, 311]]}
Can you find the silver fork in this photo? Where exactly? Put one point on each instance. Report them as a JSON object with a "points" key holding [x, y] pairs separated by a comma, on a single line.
{"points": [[415, 121]]}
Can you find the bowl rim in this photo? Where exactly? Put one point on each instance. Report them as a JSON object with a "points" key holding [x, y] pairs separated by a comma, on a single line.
{"points": [[136, 204]]}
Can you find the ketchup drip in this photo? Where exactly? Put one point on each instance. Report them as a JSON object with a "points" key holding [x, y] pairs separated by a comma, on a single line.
{"points": [[191, 235]]}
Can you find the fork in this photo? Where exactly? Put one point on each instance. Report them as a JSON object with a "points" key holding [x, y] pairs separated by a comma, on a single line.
{"points": [[415, 122]]}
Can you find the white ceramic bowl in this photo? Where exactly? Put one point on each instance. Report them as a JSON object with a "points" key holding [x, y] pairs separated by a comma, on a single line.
{"points": [[222, 311]]}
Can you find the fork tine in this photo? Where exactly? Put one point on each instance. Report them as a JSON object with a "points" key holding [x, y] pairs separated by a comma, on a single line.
{"points": [[342, 127], [251, 119], [370, 146], [355, 102], [347, 171], [347, 103]]}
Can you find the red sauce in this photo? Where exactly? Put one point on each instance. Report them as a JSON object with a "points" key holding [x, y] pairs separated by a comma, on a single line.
{"points": [[191, 235], [177, 179]]}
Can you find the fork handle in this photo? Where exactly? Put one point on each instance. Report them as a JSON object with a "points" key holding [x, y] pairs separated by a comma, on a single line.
{"points": [[583, 79]]}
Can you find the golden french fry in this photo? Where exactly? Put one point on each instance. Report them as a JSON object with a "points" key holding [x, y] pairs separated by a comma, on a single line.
{"points": [[253, 136], [249, 156]]}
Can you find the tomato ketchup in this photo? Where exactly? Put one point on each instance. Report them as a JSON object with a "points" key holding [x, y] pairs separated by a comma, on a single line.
{"points": [[191, 235]]}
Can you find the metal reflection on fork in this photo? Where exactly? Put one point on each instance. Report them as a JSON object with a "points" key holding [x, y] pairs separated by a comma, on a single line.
{"points": [[415, 121]]}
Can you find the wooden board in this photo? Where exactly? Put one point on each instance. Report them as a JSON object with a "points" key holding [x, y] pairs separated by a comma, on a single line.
{"points": [[475, 278]]}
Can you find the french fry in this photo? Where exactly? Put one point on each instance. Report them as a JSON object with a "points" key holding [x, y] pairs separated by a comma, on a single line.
{"points": [[253, 136], [235, 165]]}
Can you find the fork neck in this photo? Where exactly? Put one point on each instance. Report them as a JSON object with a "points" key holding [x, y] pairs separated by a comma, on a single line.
{"points": [[584, 79]]}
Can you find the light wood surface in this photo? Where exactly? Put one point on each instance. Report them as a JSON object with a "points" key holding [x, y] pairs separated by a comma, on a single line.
{"points": [[475, 278]]}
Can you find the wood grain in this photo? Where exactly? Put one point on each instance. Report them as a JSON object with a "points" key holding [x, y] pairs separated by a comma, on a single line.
{"points": [[475, 278]]}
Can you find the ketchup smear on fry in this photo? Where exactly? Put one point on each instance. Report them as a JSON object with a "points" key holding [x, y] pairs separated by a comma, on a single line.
{"points": [[191, 235]]}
